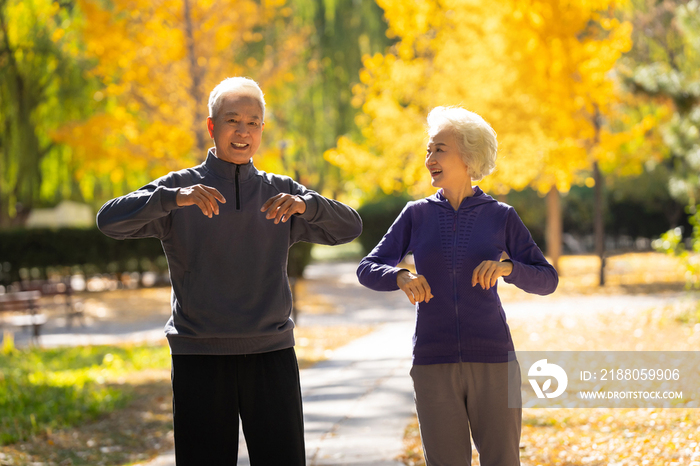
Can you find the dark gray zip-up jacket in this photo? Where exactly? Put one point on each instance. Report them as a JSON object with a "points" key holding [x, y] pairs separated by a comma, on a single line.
{"points": [[230, 293]]}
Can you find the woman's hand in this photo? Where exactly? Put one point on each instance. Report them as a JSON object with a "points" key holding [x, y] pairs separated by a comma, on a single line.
{"points": [[486, 274], [415, 286]]}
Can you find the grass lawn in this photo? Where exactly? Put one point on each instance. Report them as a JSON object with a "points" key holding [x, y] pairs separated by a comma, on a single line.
{"points": [[597, 437], [46, 394], [104, 405]]}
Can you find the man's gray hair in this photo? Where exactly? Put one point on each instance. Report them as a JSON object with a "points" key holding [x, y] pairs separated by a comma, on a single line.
{"points": [[238, 85], [475, 137]]}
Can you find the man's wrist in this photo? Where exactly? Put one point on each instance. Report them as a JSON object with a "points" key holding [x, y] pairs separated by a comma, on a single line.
{"points": [[311, 206], [170, 198], [301, 198]]}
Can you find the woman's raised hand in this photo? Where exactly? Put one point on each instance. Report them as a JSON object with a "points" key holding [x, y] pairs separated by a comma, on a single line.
{"points": [[487, 273], [415, 286]]}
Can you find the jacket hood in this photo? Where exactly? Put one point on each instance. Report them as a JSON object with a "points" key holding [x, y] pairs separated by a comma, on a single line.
{"points": [[477, 199]]}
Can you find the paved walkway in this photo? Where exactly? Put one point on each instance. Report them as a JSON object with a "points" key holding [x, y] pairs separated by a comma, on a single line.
{"points": [[356, 404], [359, 401]]}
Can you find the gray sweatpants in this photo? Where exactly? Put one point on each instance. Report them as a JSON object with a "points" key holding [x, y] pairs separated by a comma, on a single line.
{"points": [[451, 399]]}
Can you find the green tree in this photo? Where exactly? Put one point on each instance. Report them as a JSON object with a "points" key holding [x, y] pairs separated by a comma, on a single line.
{"points": [[665, 68], [316, 107], [41, 85]]}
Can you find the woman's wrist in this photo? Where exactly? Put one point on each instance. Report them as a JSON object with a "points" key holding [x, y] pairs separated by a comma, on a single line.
{"points": [[400, 274], [509, 266]]}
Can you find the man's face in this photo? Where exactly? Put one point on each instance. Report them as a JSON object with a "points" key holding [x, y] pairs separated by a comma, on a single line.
{"points": [[237, 128]]}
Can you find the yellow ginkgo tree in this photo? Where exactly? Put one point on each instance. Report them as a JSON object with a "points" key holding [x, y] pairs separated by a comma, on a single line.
{"points": [[157, 62], [540, 71]]}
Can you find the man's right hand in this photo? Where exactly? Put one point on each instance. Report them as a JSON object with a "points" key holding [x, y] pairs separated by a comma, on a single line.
{"points": [[204, 197]]}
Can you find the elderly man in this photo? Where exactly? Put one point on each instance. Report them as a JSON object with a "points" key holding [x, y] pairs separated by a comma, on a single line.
{"points": [[230, 333]]}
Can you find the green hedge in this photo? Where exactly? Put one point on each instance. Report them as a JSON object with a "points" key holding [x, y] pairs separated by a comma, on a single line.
{"points": [[299, 258], [377, 217], [92, 252], [86, 248]]}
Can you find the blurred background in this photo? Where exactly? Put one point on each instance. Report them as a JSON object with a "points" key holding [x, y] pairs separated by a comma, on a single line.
{"points": [[597, 108], [596, 105]]}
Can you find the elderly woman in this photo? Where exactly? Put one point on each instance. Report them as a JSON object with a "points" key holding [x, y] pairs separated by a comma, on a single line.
{"points": [[462, 341]]}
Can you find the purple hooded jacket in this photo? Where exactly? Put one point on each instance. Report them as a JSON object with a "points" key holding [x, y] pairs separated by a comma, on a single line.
{"points": [[461, 323]]}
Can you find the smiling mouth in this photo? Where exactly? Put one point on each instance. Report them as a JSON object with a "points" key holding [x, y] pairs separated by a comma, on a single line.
{"points": [[435, 172], [238, 145]]}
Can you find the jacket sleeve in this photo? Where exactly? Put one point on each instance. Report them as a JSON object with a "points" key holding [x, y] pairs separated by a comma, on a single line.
{"points": [[141, 214], [531, 271], [325, 221], [378, 269]]}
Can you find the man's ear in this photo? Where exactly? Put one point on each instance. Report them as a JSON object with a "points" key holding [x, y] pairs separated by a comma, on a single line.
{"points": [[210, 127]]}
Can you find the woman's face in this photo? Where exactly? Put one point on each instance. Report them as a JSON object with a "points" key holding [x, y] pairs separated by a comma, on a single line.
{"points": [[444, 161]]}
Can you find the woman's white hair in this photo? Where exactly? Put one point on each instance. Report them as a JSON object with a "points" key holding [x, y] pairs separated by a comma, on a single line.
{"points": [[475, 137], [238, 85]]}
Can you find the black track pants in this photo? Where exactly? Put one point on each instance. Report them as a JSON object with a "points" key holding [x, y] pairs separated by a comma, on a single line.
{"points": [[209, 394]]}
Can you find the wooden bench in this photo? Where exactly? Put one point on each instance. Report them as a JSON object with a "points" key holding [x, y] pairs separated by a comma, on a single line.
{"points": [[24, 308], [56, 288]]}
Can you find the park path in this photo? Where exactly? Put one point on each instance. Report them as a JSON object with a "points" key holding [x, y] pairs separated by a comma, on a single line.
{"points": [[358, 402], [336, 284]]}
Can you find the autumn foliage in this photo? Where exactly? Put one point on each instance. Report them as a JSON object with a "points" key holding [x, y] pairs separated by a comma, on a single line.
{"points": [[538, 71], [157, 62]]}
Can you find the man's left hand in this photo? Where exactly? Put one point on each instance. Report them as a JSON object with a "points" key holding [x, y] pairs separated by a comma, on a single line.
{"points": [[282, 206]]}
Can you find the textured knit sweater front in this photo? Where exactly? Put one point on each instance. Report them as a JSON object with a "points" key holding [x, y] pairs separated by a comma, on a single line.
{"points": [[461, 323], [230, 293]]}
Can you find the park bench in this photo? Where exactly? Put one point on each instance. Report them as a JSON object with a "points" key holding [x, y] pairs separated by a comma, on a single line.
{"points": [[23, 307], [56, 289]]}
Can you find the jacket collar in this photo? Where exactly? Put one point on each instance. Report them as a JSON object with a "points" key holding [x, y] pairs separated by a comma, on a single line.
{"points": [[227, 170], [478, 198]]}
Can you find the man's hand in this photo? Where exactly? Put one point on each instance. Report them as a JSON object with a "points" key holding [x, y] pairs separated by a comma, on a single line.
{"points": [[486, 274], [415, 286], [203, 197], [283, 206]]}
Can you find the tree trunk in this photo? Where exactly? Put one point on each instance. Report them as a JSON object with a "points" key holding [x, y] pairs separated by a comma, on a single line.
{"points": [[554, 226], [195, 89], [598, 225]]}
